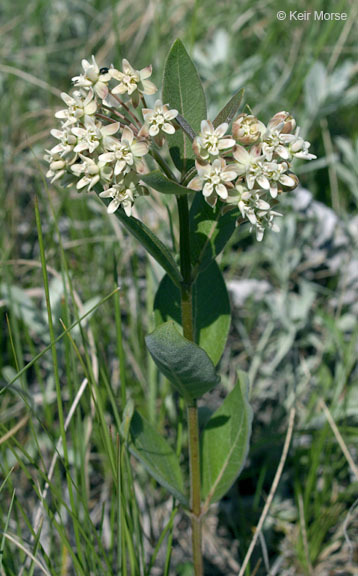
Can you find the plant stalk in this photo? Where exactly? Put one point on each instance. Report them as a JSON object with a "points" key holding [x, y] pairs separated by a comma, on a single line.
{"points": [[192, 410]]}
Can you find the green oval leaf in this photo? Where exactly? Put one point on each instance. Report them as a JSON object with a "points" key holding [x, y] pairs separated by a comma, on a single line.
{"points": [[150, 448], [183, 91], [184, 363], [151, 243], [230, 110], [210, 230], [161, 183], [224, 443], [211, 309]]}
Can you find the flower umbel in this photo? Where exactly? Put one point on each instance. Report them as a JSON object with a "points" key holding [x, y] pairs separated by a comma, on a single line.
{"points": [[102, 142], [158, 120], [94, 77], [123, 153], [132, 81], [214, 180], [123, 193], [211, 141]]}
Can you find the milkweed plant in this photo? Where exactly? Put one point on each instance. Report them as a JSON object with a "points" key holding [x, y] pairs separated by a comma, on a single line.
{"points": [[223, 173]]}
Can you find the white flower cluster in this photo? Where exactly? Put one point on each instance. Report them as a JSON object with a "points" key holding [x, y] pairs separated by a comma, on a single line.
{"points": [[101, 139], [251, 167], [104, 135]]}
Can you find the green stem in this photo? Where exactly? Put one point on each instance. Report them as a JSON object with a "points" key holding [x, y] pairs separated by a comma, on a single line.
{"points": [[192, 410], [195, 504], [162, 163]]}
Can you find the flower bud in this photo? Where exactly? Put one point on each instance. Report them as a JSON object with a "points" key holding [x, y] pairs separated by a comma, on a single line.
{"points": [[290, 187], [285, 119], [247, 129], [57, 165]]}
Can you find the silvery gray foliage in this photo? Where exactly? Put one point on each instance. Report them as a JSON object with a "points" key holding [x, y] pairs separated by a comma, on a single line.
{"points": [[314, 247]]}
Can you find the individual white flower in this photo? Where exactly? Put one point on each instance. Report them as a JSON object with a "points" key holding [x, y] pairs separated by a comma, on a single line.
{"points": [[67, 141], [274, 144], [123, 193], [78, 106], [249, 202], [254, 209], [158, 120], [93, 134], [124, 152], [214, 180], [132, 81], [93, 76], [247, 129], [266, 220], [210, 141], [297, 146], [250, 165], [92, 172], [275, 138], [277, 174]]}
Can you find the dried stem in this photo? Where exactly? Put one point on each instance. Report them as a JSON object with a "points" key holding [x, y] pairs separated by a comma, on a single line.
{"points": [[272, 491]]}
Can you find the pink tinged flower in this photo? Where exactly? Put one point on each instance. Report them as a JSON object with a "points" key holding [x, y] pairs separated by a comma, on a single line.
{"points": [[90, 137], [211, 140], [282, 121], [249, 164], [94, 77], [124, 152], [159, 119], [131, 80], [247, 129], [213, 179], [276, 174], [273, 144]]}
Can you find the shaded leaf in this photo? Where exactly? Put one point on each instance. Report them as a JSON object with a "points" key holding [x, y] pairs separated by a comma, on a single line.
{"points": [[184, 363], [230, 110], [210, 230], [211, 309], [183, 91], [161, 183], [224, 443], [148, 446], [151, 243]]}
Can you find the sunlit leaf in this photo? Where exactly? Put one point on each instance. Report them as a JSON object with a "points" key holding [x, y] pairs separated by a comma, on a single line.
{"points": [[184, 363], [224, 443], [183, 91], [211, 309]]}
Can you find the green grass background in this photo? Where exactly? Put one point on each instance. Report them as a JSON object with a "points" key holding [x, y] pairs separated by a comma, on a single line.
{"points": [[294, 329]]}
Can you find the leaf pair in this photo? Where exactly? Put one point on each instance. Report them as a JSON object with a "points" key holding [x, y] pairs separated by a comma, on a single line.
{"points": [[211, 309], [225, 438], [223, 448]]}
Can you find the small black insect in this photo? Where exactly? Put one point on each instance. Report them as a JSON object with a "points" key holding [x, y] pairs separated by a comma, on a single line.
{"points": [[103, 70]]}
